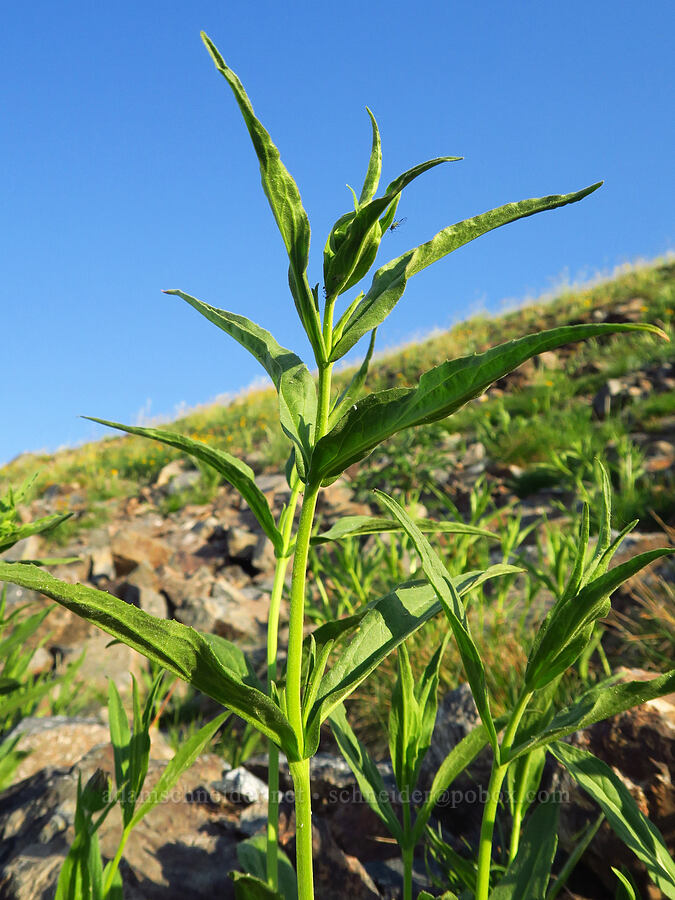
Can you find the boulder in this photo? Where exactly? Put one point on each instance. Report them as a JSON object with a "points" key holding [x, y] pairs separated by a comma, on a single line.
{"points": [[185, 847]]}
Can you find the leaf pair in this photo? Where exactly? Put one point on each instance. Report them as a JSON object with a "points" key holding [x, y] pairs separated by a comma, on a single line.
{"points": [[568, 627], [382, 627]]}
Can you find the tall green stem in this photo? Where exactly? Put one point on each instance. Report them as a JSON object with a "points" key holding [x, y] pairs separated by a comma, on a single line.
{"points": [[300, 770], [408, 850], [490, 810], [303, 828], [272, 648]]}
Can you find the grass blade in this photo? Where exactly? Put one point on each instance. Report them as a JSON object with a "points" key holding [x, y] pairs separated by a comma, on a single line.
{"points": [[441, 582]]}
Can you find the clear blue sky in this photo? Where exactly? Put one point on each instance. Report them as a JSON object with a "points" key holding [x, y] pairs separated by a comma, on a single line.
{"points": [[126, 169]]}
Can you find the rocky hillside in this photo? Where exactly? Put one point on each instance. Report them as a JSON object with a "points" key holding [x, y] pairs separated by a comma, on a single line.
{"points": [[168, 537]]}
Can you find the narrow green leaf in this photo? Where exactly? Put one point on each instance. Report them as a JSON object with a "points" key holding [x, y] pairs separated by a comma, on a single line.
{"points": [[441, 582], [233, 470], [40, 526], [640, 835], [353, 526], [426, 692], [385, 625], [571, 620], [120, 735], [290, 376], [440, 392], [181, 762], [284, 199], [179, 649], [529, 873], [403, 721], [368, 777], [625, 890], [389, 282], [601, 702], [372, 178], [353, 389]]}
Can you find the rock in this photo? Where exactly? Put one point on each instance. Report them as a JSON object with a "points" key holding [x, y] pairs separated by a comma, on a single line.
{"points": [[56, 741], [227, 610], [660, 456], [336, 874], [130, 548], [607, 398], [145, 598], [241, 544], [241, 786], [185, 846], [99, 554]]}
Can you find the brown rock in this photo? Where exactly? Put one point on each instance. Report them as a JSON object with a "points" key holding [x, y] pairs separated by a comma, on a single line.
{"points": [[131, 548]]}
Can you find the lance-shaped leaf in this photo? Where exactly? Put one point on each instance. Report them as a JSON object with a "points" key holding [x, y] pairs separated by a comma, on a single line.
{"points": [[566, 631], [353, 389], [412, 716], [183, 759], [453, 608], [40, 526], [290, 376], [529, 873], [284, 199], [190, 655], [599, 703], [355, 526], [640, 835], [368, 776], [233, 470], [389, 282], [440, 392], [388, 622], [372, 178], [353, 243]]}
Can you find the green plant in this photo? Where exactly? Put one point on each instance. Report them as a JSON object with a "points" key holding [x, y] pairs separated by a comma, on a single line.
{"points": [[20, 692], [83, 876], [533, 728], [327, 435]]}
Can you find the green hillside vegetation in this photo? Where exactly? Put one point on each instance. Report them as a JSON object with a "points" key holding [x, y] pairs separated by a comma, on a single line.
{"points": [[544, 425]]}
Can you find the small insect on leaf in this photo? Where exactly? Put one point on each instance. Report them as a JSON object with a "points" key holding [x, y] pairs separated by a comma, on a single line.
{"points": [[397, 223]]}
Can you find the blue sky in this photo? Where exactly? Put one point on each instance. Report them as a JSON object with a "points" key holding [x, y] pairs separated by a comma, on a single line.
{"points": [[126, 169]]}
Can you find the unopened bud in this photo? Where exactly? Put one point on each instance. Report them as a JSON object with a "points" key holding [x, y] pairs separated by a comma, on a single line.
{"points": [[96, 791]]}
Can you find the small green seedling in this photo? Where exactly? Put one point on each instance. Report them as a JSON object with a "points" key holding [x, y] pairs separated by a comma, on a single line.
{"points": [[83, 876]]}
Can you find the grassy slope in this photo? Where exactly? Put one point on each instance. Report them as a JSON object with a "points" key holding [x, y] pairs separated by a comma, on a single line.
{"points": [[557, 400]]}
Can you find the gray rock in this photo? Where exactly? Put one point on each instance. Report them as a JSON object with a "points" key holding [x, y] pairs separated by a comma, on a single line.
{"points": [[608, 398], [185, 846], [241, 786]]}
